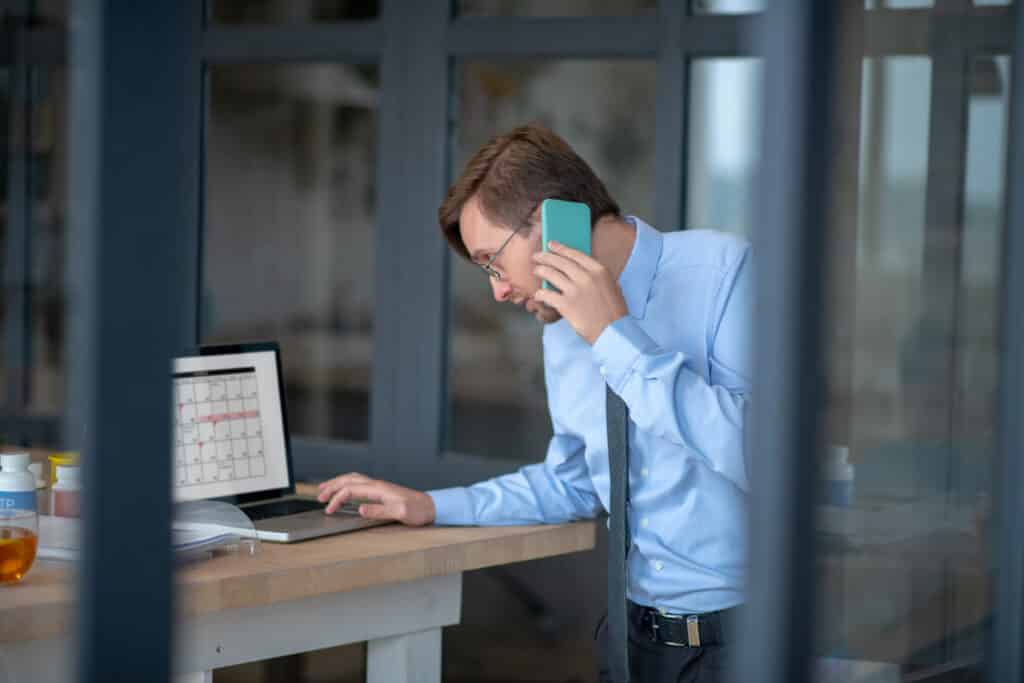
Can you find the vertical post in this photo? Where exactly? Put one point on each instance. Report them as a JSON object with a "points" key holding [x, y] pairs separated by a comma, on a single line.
{"points": [[1007, 655], [132, 198], [774, 644], [411, 278], [194, 197], [671, 115]]}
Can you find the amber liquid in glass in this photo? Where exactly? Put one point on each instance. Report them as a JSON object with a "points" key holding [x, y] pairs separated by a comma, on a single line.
{"points": [[17, 551]]}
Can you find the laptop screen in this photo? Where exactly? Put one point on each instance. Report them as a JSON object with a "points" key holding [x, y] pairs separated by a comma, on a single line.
{"points": [[229, 435]]}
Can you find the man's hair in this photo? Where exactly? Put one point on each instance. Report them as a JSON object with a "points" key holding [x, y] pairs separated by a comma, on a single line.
{"points": [[513, 173]]}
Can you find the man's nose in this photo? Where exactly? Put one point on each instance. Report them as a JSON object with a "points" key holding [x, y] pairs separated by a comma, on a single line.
{"points": [[502, 290]]}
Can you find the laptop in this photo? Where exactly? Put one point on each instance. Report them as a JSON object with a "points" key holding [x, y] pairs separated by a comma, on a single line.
{"points": [[231, 443]]}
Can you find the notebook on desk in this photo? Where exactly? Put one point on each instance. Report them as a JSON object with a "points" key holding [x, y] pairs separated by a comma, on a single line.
{"points": [[232, 444]]}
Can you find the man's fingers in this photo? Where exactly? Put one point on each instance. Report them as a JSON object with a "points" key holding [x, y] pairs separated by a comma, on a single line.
{"points": [[338, 481], [378, 511], [329, 487], [549, 298], [573, 270], [337, 500], [578, 257], [554, 276], [370, 491]]}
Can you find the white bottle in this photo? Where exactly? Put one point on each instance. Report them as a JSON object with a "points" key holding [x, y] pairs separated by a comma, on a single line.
{"points": [[17, 484], [838, 477]]}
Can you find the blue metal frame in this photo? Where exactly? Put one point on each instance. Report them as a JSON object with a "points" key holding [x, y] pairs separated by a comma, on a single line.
{"points": [[132, 183], [1006, 661], [776, 636]]}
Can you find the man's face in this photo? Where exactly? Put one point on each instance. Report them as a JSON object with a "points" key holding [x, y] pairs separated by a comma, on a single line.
{"points": [[518, 283]]}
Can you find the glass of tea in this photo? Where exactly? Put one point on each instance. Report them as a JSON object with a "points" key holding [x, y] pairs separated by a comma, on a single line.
{"points": [[19, 536]]}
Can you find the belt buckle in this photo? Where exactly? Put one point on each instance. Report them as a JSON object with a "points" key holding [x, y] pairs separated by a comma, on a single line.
{"points": [[692, 629]]}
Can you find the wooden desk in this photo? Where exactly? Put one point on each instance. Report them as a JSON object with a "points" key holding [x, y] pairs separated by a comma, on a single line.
{"points": [[392, 586]]}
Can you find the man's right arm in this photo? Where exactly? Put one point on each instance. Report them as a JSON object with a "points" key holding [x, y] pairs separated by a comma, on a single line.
{"points": [[556, 490]]}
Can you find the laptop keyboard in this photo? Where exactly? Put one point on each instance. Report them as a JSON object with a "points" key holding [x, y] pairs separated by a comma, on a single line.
{"points": [[293, 506], [280, 508]]}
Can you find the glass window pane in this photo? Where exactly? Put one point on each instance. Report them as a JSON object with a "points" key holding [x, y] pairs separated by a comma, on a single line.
{"points": [[48, 164], [605, 110], [7, 316], [288, 251], [881, 460], [554, 8], [981, 261], [722, 143], [904, 520], [727, 6], [34, 176], [291, 11]]}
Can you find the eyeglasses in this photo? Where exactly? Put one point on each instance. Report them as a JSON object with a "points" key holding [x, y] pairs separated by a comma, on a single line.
{"points": [[488, 267]]}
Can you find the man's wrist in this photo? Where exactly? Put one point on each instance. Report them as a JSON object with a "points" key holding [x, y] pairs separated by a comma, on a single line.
{"points": [[452, 506], [429, 508], [619, 347], [592, 338]]}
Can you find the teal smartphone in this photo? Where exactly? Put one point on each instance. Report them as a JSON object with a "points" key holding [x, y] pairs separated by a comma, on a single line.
{"points": [[565, 222]]}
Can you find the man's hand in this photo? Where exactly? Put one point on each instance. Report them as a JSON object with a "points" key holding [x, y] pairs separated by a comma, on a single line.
{"points": [[388, 501], [589, 297]]}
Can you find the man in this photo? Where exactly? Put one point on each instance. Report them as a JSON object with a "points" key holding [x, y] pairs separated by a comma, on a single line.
{"points": [[661, 319]]}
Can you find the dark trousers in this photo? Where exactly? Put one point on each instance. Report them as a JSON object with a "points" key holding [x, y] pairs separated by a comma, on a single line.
{"points": [[651, 662]]}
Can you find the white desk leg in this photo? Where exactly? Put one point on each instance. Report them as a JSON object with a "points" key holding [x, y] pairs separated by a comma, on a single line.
{"points": [[199, 677], [410, 658]]}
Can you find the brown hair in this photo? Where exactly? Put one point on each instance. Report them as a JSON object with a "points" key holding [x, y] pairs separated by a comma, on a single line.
{"points": [[513, 173]]}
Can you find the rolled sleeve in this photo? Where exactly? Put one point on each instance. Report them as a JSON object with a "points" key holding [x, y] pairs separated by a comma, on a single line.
{"points": [[453, 507], [619, 349]]}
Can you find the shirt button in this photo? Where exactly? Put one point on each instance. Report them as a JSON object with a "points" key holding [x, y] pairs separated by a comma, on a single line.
{"points": [[603, 370], [643, 472], [644, 522], [658, 566]]}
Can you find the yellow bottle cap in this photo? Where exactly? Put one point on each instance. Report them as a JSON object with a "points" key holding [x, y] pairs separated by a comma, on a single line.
{"points": [[61, 458]]}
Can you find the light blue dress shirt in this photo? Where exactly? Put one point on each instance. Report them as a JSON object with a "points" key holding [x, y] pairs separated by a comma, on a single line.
{"points": [[680, 361]]}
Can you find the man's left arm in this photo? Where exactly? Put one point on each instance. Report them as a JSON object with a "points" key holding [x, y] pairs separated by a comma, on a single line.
{"points": [[667, 397]]}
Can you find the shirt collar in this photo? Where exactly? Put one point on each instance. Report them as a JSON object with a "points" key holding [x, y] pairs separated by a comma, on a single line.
{"points": [[638, 275]]}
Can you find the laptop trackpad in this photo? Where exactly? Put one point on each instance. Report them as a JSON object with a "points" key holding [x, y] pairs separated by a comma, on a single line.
{"points": [[316, 521]]}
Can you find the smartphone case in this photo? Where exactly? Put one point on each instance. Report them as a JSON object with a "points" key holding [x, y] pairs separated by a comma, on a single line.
{"points": [[567, 223]]}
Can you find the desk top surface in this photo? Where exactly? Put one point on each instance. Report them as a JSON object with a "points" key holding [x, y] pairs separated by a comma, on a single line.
{"points": [[41, 605]]}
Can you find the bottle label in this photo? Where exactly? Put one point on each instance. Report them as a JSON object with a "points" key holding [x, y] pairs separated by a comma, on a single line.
{"points": [[17, 500]]}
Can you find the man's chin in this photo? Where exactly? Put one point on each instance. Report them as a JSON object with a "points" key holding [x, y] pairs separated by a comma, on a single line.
{"points": [[544, 314]]}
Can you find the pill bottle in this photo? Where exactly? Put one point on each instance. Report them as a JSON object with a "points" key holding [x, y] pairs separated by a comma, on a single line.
{"points": [[66, 492], [17, 484], [61, 458]]}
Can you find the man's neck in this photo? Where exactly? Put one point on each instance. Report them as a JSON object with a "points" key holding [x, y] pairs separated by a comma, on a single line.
{"points": [[612, 243]]}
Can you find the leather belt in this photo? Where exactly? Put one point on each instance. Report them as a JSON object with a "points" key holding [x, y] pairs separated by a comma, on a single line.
{"points": [[684, 630]]}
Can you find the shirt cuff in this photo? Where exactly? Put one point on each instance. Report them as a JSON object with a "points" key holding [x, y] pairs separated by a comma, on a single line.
{"points": [[619, 348], [452, 507]]}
